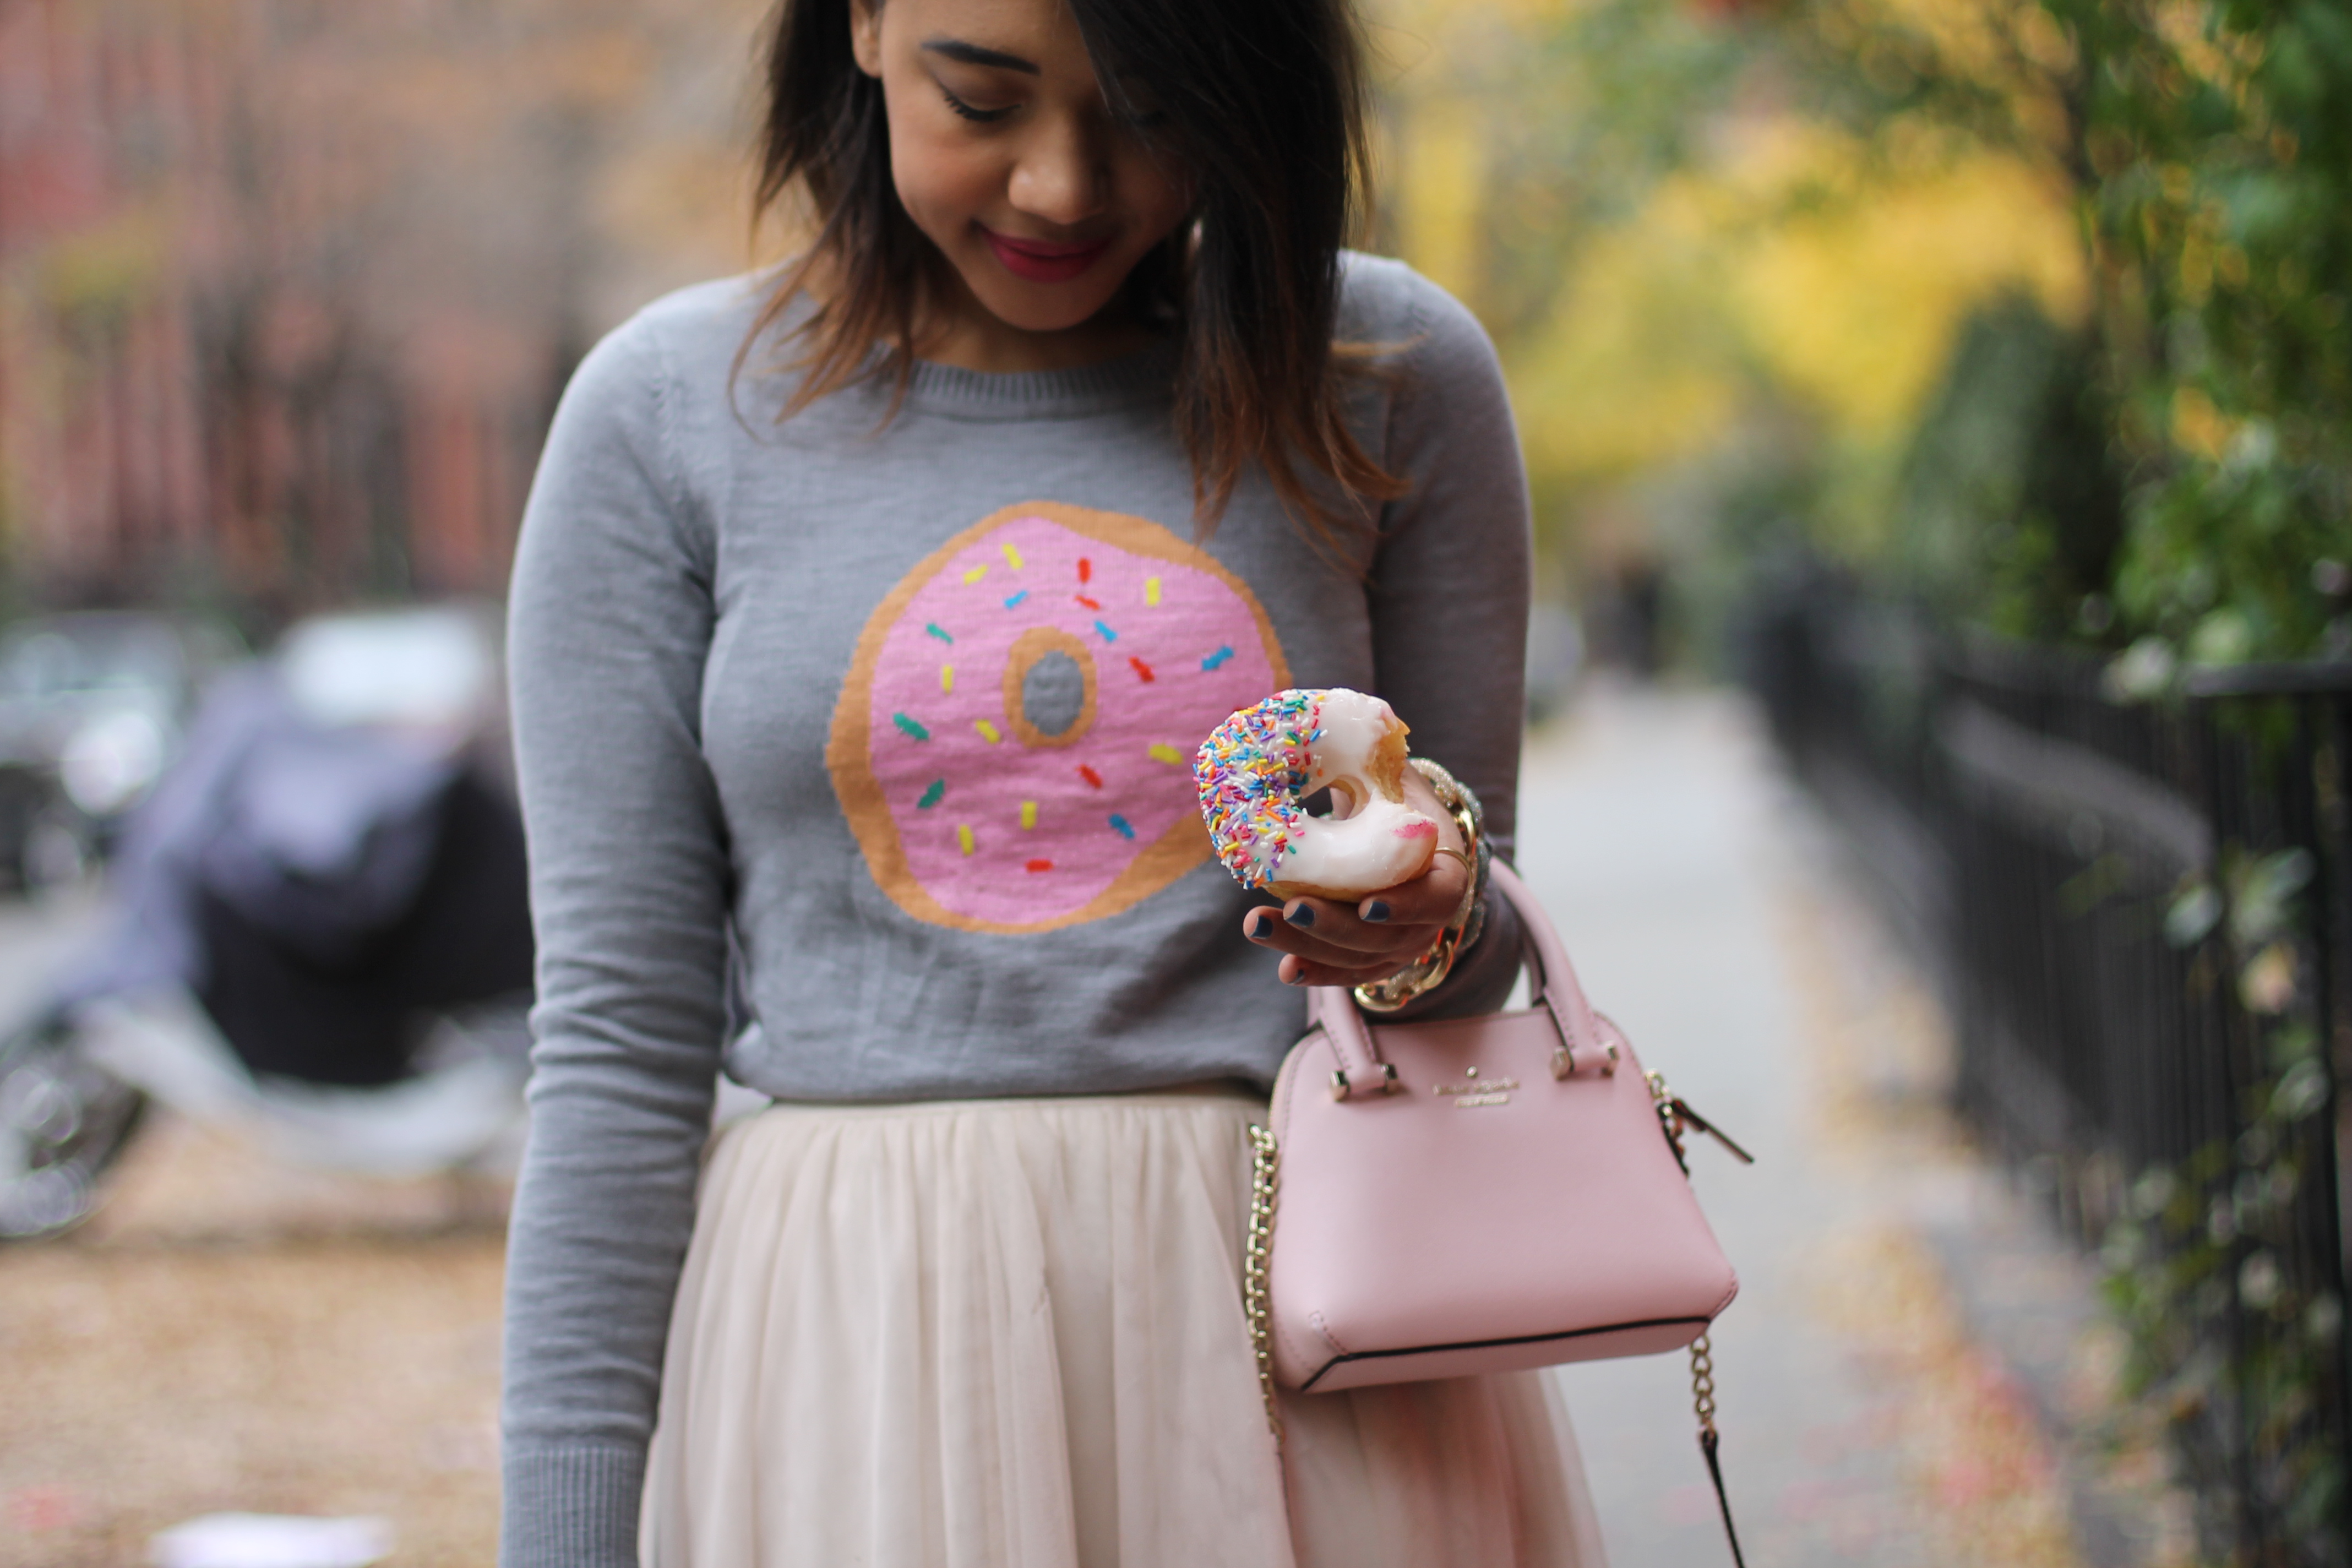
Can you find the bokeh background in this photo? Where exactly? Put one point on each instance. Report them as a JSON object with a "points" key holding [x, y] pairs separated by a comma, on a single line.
{"points": [[1940, 419]]}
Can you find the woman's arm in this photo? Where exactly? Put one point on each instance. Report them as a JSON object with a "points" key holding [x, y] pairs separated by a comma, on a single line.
{"points": [[610, 623], [1448, 594]]}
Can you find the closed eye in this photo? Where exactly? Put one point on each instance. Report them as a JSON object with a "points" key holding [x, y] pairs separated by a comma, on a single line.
{"points": [[983, 116]]}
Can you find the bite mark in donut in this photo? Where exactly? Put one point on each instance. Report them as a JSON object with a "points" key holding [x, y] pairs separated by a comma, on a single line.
{"points": [[1256, 771], [1011, 759]]}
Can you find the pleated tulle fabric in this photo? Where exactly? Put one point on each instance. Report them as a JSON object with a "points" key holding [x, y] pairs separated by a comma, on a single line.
{"points": [[1009, 1334]]}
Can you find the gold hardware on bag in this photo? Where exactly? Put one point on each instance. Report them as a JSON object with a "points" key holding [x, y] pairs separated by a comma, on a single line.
{"points": [[1563, 1061], [1264, 1172]]}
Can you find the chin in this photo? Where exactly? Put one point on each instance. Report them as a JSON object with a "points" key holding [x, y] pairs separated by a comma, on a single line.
{"points": [[1042, 308]]}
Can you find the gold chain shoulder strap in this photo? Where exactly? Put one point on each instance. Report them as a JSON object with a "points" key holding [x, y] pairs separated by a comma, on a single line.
{"points": [[1671, 1115], [1265, 1173]]}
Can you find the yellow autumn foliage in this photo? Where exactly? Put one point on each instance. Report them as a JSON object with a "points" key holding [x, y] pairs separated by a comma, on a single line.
{"points": [[1795, 262], [1853, 305]]}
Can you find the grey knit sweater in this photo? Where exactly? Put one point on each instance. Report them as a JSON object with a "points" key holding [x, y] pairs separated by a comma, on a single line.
{"points": [[854, 755]]}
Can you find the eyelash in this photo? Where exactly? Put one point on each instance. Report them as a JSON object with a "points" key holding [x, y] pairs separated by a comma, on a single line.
{"points": [[983, 116]]}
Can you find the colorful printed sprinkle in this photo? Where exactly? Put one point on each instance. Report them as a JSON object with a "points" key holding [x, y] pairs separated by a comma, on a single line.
{"points": [[931, 796], [1091, 776], [1012, 600], [1251, 771], [1011, 556], [946, 677], [1120, 825], [1085, 570], [934, 628], [1161, 752], [1108, 635], [988, 731], [1089, 604], [911, 727], [1028, 814], [1216, 658], [1141, 669], [1041, 865], [1151, 590], [975, 574], [963, 837]]}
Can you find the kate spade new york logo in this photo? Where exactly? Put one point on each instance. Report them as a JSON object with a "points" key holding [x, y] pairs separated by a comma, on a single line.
{"points": [[1478, 1091]]}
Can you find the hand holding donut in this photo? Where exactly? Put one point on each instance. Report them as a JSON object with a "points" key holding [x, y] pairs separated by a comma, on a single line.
{"points": [[1367, 889], [1328, 941]]}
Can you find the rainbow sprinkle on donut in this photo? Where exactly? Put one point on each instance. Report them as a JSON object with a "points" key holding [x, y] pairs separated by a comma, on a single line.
{"points": [[1252, 772]]}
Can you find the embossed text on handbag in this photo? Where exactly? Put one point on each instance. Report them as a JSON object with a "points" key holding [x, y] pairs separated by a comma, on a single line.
{"points": [[1477, 1195]]}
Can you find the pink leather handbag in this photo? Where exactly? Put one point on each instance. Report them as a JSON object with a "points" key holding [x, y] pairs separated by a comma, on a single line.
{"points": [[1476, 1195]]}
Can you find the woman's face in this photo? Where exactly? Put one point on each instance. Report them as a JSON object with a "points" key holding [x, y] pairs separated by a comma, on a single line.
{"points": [[1007, 156]]}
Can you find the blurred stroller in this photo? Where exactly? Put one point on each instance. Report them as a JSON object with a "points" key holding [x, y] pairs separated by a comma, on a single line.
{"points": [[317, 929]]}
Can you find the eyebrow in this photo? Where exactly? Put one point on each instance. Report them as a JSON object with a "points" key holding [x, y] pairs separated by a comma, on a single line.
{"points": [[973, 55]]}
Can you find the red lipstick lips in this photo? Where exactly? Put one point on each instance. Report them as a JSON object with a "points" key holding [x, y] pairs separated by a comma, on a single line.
{"points": [[1043, 261]]}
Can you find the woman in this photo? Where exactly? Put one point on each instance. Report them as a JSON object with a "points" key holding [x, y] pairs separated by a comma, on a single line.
{"points": [[864, 616]]}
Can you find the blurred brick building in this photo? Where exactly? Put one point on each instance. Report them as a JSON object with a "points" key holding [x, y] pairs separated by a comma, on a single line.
{"points": [[288, 287]]}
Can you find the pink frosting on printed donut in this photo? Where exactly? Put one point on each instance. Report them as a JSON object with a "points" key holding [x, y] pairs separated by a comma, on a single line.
{"points": [[1013, 745]]}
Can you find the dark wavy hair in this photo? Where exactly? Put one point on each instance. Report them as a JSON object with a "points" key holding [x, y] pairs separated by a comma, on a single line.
{"points": [[1261, 102]]}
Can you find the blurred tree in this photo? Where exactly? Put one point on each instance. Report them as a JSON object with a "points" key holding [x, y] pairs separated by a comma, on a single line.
{"points": [[1717, 284], [2010, 508], [288, 287], [2207, 149]]}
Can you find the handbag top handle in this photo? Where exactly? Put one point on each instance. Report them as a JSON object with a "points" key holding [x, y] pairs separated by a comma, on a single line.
{"points": [[1551, 979]]}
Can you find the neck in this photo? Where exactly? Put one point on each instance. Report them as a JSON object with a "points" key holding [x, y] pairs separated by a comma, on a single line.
{"points": [[953, 327]]}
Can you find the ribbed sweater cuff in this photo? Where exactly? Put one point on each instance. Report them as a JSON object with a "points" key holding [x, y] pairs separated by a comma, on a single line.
{"points": [[571, 1508]]}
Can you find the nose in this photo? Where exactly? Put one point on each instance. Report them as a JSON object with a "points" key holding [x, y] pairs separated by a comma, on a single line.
{"points": [[1063, 177]]}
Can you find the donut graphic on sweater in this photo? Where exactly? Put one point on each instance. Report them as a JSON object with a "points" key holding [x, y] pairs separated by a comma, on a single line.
{"points": [[1013, 745]]}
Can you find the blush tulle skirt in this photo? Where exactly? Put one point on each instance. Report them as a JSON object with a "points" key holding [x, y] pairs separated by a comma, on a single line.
{"points": [[1009, 1334]]}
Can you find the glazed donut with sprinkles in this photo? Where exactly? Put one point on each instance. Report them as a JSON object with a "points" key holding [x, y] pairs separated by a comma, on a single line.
{"points": [[1257, 770]]}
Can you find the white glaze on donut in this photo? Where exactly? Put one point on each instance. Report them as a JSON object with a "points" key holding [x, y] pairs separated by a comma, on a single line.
{"points": [[1256, 771]]}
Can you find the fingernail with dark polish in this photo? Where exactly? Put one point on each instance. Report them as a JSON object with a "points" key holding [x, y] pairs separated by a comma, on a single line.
{"points": [[1301, 916], [1256, 930], [1293, 979], [1377, 910]]}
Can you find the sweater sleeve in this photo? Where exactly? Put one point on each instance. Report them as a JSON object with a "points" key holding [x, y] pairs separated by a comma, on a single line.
{"points": [[1449, 595], [610, 618]]}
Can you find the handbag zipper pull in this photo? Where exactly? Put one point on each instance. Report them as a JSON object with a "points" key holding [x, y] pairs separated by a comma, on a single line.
{"points": [[1676, 1114], [1691, 1117]]}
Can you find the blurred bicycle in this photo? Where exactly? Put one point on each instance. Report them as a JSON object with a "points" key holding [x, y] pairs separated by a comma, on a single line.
{"points": [[317, 930], [93, 705]]}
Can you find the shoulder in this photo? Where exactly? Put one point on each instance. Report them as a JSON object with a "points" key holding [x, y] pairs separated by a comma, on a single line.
{"points": [[1429, 349], [1386, 304], [1414, 325], [671, 341], [633, 438]]}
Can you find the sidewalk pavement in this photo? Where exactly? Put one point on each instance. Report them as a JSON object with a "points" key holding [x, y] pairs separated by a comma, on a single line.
{"points": [[1912, 1376]]}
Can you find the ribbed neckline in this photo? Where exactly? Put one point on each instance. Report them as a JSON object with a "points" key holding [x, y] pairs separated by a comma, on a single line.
{"points": [[1136, 377]]}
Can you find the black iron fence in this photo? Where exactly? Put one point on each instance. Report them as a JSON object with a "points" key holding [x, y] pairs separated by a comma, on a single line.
{"points": [[2140, 915]]}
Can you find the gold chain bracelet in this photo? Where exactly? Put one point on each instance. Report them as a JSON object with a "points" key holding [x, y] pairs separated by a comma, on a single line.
{"points": [[1430, 969]]}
